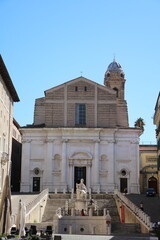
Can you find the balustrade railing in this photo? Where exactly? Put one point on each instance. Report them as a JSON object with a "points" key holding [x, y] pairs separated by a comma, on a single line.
{"points": [[60, 212], [36, 201], [142, 216]]}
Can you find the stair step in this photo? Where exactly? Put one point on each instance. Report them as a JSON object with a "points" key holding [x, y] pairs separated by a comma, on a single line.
{"points": [[125, 228]]}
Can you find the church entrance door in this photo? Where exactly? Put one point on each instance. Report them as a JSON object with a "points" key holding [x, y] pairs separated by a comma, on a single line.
{"points": [[123, 185], [79, 173]]}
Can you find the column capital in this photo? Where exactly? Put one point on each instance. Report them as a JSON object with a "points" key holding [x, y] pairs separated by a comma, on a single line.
{"points": [[71, 163]]}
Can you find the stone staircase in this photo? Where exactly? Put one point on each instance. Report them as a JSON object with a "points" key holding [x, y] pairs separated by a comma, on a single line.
{"points": [[107, 201], [125, 228], [54, 202]]}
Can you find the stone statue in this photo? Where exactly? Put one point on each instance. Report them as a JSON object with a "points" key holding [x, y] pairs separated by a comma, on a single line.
{"points": [[81, 190]]}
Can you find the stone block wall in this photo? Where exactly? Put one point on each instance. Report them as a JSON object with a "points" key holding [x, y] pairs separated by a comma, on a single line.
{"points": [[58, 108]]}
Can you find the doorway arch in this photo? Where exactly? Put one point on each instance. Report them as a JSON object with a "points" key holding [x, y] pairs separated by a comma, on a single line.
{"points": [[152, 183]]}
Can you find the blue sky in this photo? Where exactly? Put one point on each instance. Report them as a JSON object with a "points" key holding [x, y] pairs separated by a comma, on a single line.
{"points": [[45, 43]]}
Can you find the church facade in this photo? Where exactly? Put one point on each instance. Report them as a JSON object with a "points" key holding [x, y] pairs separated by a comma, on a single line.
{"points": [[81, 131]]}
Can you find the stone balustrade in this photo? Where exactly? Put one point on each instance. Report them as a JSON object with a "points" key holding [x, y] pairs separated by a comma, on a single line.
{"points": [[36, 201], [73, 212], [142, 216]]}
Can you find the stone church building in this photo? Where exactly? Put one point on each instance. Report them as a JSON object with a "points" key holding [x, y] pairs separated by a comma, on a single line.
{"points": [[81, 130]]}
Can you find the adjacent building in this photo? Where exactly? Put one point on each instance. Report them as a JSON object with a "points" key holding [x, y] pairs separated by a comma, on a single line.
{"points": [[156, 120], [8, 96], [16, 158], [81, 130], [148, 167]]}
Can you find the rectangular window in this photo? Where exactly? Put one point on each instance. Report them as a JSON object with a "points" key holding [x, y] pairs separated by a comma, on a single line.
{"points": [[80, 114]]}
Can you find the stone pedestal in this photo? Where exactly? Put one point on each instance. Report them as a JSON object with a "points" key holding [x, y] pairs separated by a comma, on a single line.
{"points": [[90, 209], [95, 225], [80, 204], [108, 223]]}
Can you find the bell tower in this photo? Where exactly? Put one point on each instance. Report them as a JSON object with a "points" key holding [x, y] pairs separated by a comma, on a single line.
{"points": [[114, 78]]}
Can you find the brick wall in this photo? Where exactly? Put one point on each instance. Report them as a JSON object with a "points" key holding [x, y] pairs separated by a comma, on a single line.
{"points": [[39, 111], [99, 101], [56, 94], [70, 114], [84, 91], [106, 115]]}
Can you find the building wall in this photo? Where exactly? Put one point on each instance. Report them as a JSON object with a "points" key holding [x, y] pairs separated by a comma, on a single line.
{"points": [[156, 121], [8, 96], [56, 152], [57, 149], [6, 120], [148, 167]]}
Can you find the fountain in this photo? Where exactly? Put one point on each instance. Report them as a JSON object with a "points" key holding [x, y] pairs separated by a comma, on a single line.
{"points": [[80, 215]]}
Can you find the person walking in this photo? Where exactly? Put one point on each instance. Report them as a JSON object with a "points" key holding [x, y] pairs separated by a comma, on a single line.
{"points": [[141, 206]]}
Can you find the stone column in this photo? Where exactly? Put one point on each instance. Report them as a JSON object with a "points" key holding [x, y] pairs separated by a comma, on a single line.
{"points": [[93, 230], [113, 181], [104, 211], [47, 178], [108, 223], [91, 210], [97, 162], [72, 211], [70, 229], [89, 173], [64, 163], [72, 193], [70, 178]]}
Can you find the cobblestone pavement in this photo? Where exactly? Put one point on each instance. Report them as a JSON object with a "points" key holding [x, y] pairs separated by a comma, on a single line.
{"points": [[151, 205]]}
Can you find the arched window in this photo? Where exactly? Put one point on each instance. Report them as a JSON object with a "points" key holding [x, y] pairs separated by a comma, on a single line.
{"points": [[122, 75], [116, 89]]}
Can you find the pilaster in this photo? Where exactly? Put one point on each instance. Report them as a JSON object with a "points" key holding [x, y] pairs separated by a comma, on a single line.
{"points": [[64, 163]]}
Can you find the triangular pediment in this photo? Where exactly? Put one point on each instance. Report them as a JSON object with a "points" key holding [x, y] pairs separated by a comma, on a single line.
{"points": [[76, 81]]}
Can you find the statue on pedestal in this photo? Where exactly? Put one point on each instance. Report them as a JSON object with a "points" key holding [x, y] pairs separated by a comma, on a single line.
{"points": [[81, 190]]}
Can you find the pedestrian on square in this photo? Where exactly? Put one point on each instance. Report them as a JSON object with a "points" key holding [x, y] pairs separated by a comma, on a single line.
{"points": [[82, 213], [141, 206]]}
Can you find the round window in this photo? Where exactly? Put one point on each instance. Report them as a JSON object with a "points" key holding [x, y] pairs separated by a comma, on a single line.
{"points": [[123, 172], [36, 171]]}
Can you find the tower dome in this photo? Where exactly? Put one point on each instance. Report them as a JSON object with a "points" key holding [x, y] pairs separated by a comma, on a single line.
{"points": [[115, 67], [114, 71]]}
